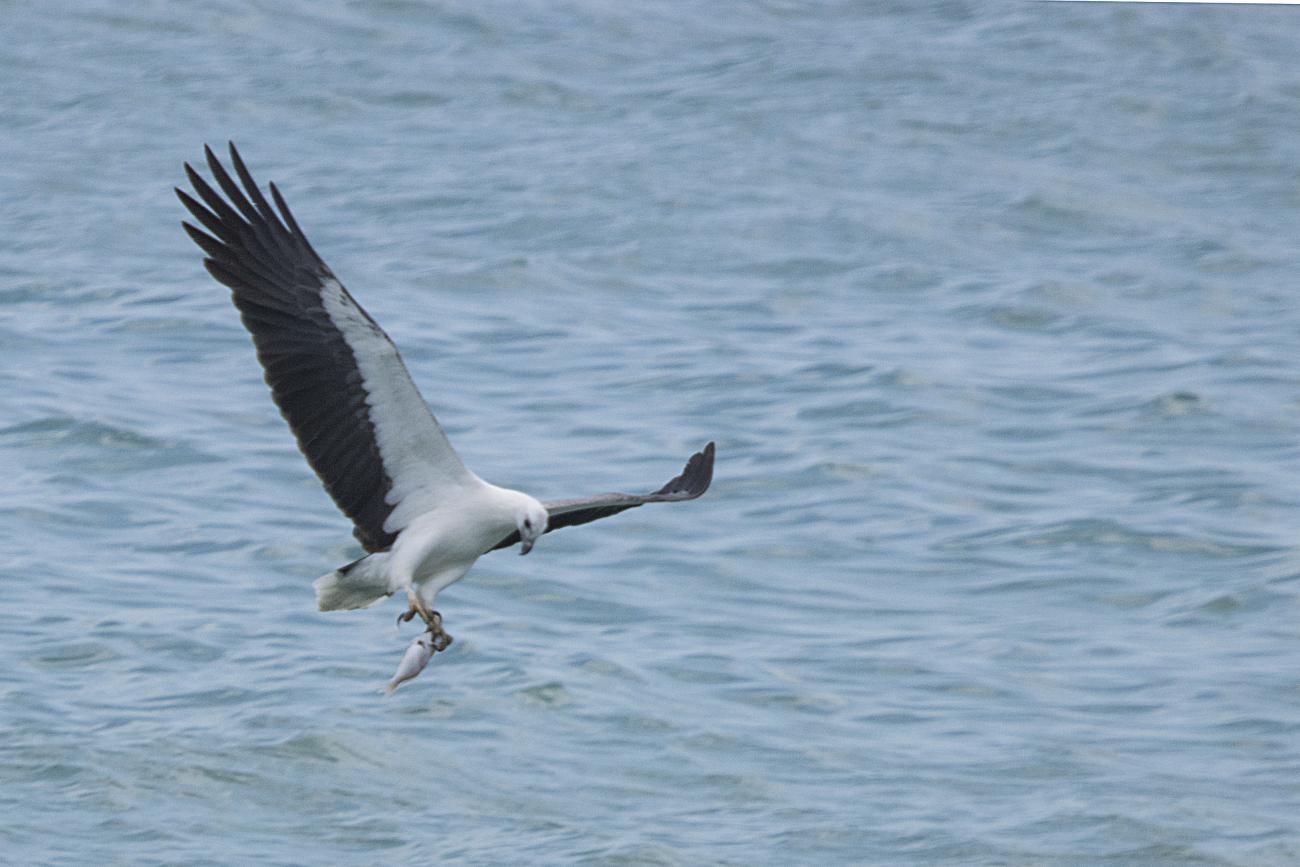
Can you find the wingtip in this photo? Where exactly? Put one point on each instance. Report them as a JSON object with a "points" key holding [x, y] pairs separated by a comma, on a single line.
{"points": [[696, 476], [704, 475]]}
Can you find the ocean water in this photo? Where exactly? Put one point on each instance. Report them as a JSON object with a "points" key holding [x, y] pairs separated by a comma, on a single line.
{"points": [[992, 309]]}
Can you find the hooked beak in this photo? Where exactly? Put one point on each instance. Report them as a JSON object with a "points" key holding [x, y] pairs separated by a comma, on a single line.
{"points": [[526, 546]]}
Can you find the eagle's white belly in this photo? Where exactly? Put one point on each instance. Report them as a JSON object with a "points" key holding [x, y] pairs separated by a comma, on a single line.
{"points": [[437, 548]]}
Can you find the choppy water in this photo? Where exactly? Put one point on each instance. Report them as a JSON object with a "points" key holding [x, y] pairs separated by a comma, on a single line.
{"points": [[992, 310]]}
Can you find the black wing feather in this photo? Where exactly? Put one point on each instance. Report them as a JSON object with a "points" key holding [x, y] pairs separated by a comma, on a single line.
{"points": [[276, 279], [694, 480]]}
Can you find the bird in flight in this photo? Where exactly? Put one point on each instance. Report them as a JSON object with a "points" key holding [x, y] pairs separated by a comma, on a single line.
{"points": [[421, 515]]}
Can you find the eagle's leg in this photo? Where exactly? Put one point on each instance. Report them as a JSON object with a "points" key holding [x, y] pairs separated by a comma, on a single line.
{"points": [[417, 606], [432, 619]]}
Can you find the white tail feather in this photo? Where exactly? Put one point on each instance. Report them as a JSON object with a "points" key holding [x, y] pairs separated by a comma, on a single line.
{"points": [[355, 585]]}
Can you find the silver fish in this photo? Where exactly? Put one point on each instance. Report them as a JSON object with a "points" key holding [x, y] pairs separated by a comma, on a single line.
{"points": [[417, 656]]}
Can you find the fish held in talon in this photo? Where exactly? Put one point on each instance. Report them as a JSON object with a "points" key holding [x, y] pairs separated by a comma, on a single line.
{"points": [[417, 656], [422, 516]]}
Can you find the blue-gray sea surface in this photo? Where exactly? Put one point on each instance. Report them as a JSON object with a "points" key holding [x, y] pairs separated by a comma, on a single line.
{"points": [[992, 309]]}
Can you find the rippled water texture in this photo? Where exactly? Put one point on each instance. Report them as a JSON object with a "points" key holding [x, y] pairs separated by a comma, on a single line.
{"points": [[992, 310]]}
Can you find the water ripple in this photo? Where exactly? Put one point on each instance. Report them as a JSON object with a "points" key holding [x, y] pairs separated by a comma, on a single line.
{"points": [[988, 310]]}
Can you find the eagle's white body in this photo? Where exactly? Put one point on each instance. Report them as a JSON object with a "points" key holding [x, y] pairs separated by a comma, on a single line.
{"points": [[433, 551]]}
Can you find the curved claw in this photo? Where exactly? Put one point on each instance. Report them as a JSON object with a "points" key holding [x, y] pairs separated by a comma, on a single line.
{"points": [[431, 618]]}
